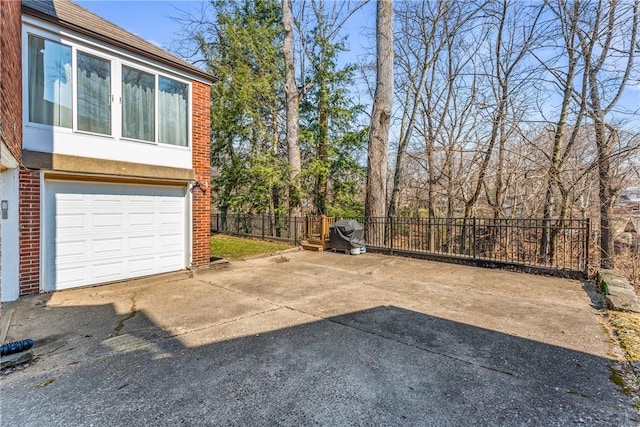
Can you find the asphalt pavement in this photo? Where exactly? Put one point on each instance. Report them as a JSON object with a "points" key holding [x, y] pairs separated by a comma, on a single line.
{"points": [[317, 339]]}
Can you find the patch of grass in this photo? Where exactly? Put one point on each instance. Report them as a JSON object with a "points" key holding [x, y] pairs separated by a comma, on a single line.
{"points": [[45, 383], [627, 327], [234, 248], [617, 379]]}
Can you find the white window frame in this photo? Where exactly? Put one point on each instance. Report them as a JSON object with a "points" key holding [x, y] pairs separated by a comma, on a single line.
{"points": [[189, 109], [74, 64], [25, 81], [156, 74], [117, 60]]}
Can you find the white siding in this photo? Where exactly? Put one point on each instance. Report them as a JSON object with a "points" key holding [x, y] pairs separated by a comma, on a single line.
{"points": [[9, 260]]}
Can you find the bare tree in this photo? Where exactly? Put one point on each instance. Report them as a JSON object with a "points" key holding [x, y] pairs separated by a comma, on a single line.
{"points": [[608, 36], [376, 190], [293, 111], [512, 42], [427, 35], [414, 61]]}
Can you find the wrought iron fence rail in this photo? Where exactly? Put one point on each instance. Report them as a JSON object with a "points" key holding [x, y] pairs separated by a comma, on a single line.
{"points": [[550, 245]]}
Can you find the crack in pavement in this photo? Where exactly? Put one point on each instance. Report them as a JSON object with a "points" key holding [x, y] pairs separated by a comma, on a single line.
{"points": [[335, 320], [131, 315]]}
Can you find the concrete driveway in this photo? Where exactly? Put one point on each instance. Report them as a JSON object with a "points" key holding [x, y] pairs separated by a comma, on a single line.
{"points": [[317, 338]]}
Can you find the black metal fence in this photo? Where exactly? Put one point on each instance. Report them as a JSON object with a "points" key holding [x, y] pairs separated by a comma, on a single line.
{"points": [[548, 246], [272, 227]]}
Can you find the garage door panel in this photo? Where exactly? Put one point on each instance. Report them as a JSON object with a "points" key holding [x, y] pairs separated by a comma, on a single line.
{"points": [[105, 220], [168, 241], [138, 243], [71, 248], [109, 271], [70, 221], [169, 206], [107, 246], [170, 218], [169, 261], [68, 276], [98, 232], [103, 196], [72, 197], [149, 204], [141, 219], [142, 266]]}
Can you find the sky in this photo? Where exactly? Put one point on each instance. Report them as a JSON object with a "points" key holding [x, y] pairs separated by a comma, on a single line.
{"points": [[150, 20]]}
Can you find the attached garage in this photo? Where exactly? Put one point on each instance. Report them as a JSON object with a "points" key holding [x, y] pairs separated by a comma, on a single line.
{"points": [[96, 232]]}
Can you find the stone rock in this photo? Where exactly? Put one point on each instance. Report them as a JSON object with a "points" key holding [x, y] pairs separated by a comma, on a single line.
{"points": [[16, 359]]}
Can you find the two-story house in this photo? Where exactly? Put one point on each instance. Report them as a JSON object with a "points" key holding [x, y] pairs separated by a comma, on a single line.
{"points": [[113, 180]]}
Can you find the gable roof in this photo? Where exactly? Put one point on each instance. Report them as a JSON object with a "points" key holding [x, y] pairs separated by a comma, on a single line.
{"points": [[69, 15]]}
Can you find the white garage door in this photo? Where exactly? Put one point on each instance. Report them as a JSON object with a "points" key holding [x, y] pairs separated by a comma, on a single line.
{"points": [[98, 233]]}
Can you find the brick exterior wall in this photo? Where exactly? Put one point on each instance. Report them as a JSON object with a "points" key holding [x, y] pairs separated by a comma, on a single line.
{"points": [[201, 139], [11, 81], [29, 212]]}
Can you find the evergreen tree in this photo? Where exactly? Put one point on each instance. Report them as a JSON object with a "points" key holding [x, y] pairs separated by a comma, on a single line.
{"points": [[331, 139], [243, 49]]}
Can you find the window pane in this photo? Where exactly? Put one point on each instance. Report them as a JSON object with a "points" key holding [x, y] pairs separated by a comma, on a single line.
{"points": [[50, 94], [173, 111], [94, 94], [138, 104]]}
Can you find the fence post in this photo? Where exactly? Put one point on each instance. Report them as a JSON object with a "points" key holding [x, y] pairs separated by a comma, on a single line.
{"points": [[295, 230], [391, 234], [473, 230], [463, 237], [263, 226], [432, 234], [587, 244], [306, 227]]}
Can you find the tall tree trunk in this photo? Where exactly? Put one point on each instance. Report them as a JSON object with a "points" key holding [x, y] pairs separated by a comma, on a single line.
{"points": [[322, 148], [431, 194], [375, 204], [500, 190], [293, 112], [606, 193], [599, 107]]}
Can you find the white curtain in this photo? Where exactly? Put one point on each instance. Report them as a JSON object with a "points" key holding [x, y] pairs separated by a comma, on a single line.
{"points": [[173, 109], [94, 94], [138, 104]]}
